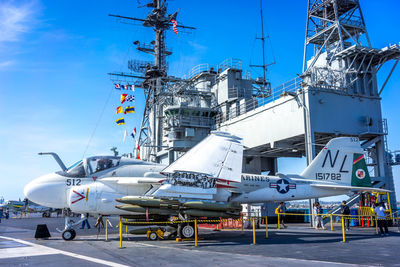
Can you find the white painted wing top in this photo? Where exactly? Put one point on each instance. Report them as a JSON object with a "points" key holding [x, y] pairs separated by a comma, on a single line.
{"points": [[219, 155], [130, 180]]}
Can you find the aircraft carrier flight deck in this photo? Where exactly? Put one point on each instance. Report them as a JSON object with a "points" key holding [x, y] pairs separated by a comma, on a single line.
{"points": [[296, 245]]}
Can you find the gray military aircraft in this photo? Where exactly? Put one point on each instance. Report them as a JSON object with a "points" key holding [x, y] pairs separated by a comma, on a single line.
{"points": [[207, 181], [92, 185], [14, 206]]}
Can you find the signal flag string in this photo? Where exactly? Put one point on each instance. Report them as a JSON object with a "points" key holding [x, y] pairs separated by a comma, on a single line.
{"points": [[98, 122]]}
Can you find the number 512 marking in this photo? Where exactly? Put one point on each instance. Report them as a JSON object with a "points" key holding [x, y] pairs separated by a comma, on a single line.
{"points": [[73, 182]]}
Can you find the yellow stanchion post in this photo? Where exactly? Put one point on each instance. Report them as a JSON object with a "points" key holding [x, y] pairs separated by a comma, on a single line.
{"points": [[195, 233], [120, 232], [254, 233], [106, 229], [330, 215], [266, 226], [126, 227], [389, 206], [279, 221], [343, 232]]}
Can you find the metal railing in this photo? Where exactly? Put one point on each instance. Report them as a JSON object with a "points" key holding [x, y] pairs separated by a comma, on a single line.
{"points": [[230, 63], [195, 121], [205, 67], [253, 103]]}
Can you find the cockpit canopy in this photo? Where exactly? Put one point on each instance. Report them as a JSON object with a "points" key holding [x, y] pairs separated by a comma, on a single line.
{"points": [[101, 163], [91, 165]]}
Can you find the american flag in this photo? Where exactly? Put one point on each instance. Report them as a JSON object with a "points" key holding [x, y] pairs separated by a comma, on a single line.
{"points": [[130, 98], [174, 26]]}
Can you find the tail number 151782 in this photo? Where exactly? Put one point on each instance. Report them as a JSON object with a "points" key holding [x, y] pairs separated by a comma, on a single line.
{"points": [[328, 176]]}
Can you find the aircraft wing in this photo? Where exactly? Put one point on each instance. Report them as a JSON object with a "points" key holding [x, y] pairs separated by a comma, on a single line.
{"points": [[130, 180], [219, 155], [348, 187]]}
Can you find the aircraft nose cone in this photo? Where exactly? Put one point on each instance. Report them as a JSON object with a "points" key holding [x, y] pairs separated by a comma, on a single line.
{"points": [[34, 192], [48, 190]]}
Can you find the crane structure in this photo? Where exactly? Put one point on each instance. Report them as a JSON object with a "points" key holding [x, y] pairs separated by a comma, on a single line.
{"points": [[338, 57]]}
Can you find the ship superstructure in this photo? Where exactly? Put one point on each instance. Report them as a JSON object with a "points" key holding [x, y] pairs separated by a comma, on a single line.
{"points": [[337, 94]]}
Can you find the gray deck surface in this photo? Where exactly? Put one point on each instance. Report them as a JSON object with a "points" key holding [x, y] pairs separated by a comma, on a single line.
{"points": [[297, 245]]}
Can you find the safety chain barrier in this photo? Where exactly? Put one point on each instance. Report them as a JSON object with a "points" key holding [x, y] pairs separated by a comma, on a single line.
{"points": [[196, 222], [343, 218], [372, 218]]}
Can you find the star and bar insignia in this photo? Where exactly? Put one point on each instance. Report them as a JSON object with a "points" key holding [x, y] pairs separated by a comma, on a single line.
{"points": [[282, 186]]}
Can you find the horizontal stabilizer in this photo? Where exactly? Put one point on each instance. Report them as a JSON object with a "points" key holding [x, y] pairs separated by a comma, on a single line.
{"points": [[348, 187]]}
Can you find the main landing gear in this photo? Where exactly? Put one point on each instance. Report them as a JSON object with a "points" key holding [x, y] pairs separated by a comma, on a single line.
{"points": [[186, 230]]}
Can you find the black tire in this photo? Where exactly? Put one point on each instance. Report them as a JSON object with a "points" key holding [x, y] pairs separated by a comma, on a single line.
{"points": [[68, 235], [153, 236], [187, 230]]}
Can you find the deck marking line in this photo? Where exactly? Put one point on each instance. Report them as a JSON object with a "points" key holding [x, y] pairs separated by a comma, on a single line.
{"points": [[57, 251]]}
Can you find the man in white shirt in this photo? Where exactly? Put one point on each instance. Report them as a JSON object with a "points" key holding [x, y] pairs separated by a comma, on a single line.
{"points": [[381, 216]]}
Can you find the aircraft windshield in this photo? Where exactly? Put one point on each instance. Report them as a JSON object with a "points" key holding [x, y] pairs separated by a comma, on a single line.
{"points": [[97, 164], [76, 170]]}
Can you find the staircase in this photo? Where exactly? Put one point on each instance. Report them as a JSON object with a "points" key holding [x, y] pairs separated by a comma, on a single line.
{"points": [[337, 210]]}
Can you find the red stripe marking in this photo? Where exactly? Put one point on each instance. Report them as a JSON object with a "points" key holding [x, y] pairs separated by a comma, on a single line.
{"points": [[223, 180], [80, 197], [225, 186], [358, 159]]}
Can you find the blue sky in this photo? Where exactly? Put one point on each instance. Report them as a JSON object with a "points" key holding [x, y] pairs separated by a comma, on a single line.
{"points": [[55, 56]]}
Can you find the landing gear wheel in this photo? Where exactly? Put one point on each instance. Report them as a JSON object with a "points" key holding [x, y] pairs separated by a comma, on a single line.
{"points": [[153, 236], [187, 231], [68, 235]]}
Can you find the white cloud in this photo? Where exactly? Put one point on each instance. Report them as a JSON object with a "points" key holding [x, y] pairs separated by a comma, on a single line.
{"points": [[16, 18], [7, 63], [198, 47]]}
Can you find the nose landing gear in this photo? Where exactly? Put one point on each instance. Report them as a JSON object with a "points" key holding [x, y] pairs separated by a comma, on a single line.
{"points": [[68, 235]]}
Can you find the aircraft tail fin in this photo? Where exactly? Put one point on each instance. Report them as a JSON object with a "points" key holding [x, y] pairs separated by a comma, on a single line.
{"points": [[218, 155], [341, 161]]}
